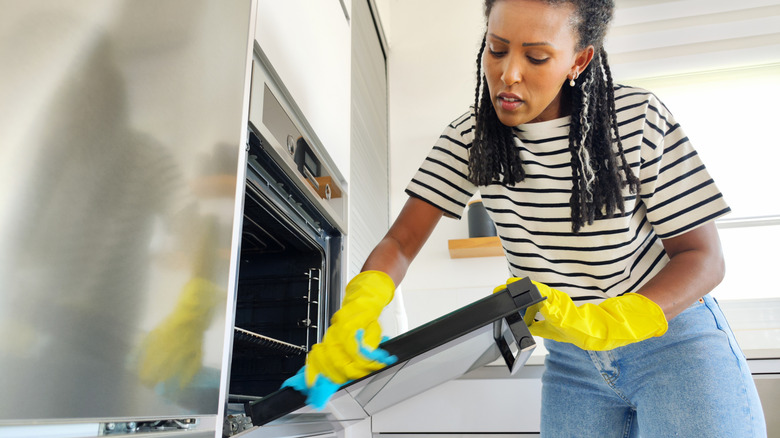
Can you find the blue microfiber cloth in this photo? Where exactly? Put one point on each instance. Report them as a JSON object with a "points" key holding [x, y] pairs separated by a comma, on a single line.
{"points": [[316, 396], [377, 354], [323, 389]]}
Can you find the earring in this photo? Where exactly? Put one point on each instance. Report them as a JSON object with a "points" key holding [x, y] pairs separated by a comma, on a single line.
{"points": [[573, 77]]}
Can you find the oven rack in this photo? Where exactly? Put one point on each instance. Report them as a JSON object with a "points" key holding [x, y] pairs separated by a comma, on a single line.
{"points": [[259, 301], [266, 342], [266, 278]]}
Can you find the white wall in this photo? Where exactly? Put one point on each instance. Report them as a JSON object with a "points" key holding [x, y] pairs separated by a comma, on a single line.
{"points": [[431, 69]]}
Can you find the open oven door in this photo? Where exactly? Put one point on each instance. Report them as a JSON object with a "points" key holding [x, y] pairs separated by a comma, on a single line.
{"points": [[429, 355]]}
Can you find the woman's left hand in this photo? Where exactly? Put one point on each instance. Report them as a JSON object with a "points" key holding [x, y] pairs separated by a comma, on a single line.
{"points": [[613, 323]]}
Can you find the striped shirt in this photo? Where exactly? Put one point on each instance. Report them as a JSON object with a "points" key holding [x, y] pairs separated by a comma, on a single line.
{"points": [[533, 218]]}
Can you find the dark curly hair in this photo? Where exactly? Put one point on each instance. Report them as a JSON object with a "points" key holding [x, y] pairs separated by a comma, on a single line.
{"points": [[597, 158]]}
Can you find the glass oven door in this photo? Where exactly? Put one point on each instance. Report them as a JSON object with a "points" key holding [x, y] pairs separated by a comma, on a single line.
{"points": [[429, 355]]}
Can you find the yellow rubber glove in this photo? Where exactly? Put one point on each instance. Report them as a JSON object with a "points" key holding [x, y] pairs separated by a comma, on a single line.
{"points": [[613, 323], [338, 356], [174, 348]]}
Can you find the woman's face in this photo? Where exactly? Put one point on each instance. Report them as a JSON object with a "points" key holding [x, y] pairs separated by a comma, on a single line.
{"points": [[529, 54]]}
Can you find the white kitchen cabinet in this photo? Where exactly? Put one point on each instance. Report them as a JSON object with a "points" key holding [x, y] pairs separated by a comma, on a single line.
{"points": [[457, 435], [308, 44], [361, 429], [487, 400]]}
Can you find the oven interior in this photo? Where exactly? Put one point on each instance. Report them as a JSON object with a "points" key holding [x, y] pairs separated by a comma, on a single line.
{"points": [[282, 281]]}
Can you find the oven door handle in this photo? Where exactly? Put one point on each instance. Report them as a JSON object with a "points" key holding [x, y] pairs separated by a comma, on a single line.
{"points": [[514, 341]]}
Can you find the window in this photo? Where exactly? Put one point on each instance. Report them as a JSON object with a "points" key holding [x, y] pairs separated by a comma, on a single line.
{"points": [[731, 116]]}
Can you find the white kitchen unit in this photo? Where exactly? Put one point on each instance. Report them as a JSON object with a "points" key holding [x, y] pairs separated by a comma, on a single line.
{"points": [[487, 400]]}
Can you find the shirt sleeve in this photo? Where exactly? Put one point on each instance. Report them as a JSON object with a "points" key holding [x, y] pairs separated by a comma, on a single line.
{"points": [[442, 180], [676, 188]]}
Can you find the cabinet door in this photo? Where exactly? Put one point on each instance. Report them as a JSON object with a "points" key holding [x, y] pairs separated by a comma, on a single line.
{"points": [[499, 404]]}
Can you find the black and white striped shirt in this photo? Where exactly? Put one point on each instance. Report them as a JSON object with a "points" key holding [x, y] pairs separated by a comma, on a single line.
{"points": [[533, 217]]}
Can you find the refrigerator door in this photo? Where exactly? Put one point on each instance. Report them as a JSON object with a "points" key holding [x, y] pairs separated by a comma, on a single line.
{"points": [[122, 136], [429, 355]]}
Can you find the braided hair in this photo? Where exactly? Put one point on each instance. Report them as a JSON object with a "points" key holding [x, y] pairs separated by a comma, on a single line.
{"points": [[597, 157]]}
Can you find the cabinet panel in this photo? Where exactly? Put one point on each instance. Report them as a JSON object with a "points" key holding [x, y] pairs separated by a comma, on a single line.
{"points": [[509, 405], [768, 387]]}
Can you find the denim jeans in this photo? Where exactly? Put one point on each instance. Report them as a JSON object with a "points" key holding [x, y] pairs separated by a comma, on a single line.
{"points": [[691, 382]]}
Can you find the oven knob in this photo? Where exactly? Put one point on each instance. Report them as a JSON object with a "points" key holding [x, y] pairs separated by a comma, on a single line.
{"points": [[291, 145]]}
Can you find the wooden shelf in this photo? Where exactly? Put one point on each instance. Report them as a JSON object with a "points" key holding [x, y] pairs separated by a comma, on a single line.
{"points": [[475, 247]]}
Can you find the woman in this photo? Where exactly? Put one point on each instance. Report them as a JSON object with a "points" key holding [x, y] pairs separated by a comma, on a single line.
{"points": [[598, 196]]}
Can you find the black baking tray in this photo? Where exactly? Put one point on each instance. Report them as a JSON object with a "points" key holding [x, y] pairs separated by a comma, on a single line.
{"points": [[492, 324]]}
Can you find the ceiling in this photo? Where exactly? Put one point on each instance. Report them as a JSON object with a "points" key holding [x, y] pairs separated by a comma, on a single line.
{"points": [[651, 38]]}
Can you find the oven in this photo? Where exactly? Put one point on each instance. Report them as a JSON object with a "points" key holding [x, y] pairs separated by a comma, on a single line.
{"points": [[291, 263]]}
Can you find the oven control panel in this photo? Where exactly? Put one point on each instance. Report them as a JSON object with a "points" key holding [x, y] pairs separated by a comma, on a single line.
{"points": [[293, 144]]}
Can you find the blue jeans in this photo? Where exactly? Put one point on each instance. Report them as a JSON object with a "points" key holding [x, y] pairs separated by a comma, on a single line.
{"points": [[691, 382]]}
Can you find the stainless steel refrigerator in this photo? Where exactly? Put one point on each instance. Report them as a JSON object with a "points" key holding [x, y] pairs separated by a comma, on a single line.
{"points": [[123, 132]]}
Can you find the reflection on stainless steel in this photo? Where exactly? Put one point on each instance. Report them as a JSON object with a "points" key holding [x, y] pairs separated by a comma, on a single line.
{"points": [[113, 113]]}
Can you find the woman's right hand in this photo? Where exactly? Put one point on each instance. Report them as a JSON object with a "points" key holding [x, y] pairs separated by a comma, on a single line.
{"points": [[341, 356], [344, 355]]}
